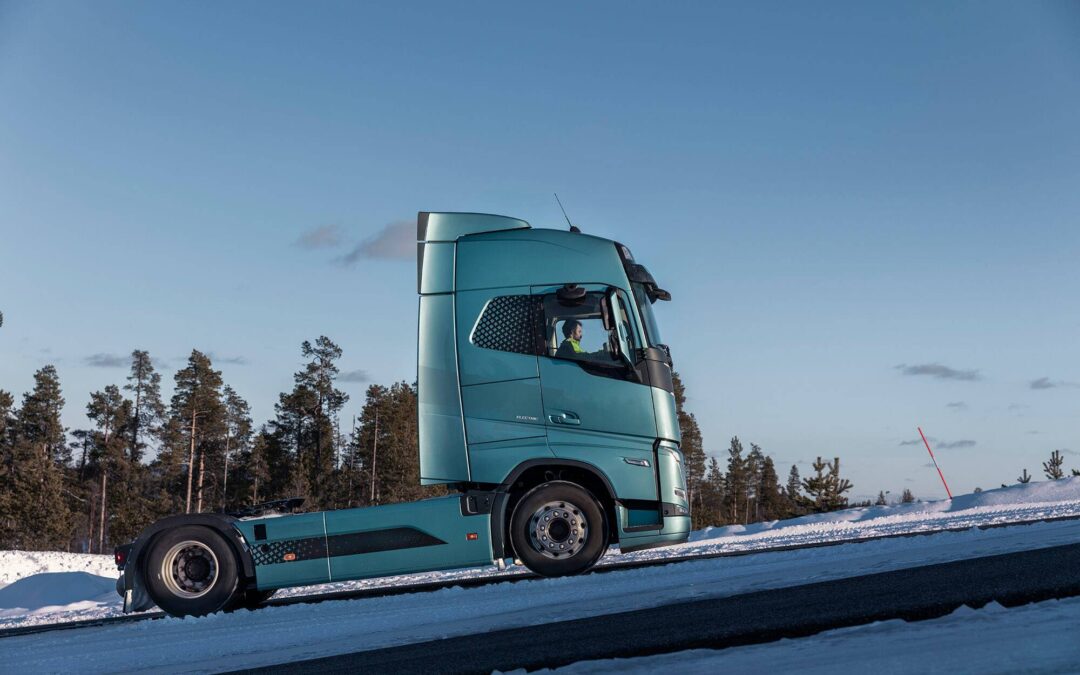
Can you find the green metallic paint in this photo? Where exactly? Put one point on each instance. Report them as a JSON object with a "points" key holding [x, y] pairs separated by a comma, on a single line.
{"points": [[494, 462], [443, 457], [440, 517], [288, 528], [437, 268], [537, 257], [479, 365], [608, 454], [667, 420], [434, 226]]}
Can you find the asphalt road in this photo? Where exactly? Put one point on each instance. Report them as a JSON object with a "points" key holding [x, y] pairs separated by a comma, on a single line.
{"points": [[912, 594]]}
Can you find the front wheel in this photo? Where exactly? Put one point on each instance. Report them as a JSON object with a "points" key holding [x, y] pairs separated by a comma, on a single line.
{"points": [[191, 571], [559, 529]]}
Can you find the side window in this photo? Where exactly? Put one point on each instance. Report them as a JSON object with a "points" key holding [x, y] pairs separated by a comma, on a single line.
{"points": [[583, 331], [510, 323]]}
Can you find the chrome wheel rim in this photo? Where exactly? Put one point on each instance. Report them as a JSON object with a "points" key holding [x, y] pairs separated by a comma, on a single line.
{"points": [[558, 529], [189, 569]]}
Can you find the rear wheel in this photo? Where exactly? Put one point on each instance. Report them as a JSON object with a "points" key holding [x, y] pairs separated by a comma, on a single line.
{"points": [[559, 529], [191, 571]]}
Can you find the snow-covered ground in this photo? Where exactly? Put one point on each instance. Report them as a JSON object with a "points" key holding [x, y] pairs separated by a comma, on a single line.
{"points": [[277, 634]]}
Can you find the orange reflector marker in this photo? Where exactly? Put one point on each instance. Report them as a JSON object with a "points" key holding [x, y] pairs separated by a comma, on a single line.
{"points": [[472, 536], [289, 557]]}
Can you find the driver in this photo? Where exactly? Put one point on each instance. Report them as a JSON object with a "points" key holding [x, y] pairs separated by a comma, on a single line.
{"points": [[571, 346]]}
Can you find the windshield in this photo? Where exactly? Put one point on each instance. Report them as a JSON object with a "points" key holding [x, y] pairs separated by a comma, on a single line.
{"points": [[645, 309]]}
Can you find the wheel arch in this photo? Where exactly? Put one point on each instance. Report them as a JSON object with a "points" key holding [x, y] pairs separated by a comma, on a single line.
{"points": [[533, 472], [135, 585]]}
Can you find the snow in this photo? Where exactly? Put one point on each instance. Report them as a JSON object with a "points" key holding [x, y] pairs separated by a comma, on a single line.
{"points": [[1028, 639], [278, 634], [56, 591]]}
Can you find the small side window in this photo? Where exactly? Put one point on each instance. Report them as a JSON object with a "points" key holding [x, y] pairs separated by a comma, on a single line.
{"points": [[510, 323], [584, 332]]}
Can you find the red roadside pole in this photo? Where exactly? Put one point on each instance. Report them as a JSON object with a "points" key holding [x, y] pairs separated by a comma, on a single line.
{"points": [[934, 459]]}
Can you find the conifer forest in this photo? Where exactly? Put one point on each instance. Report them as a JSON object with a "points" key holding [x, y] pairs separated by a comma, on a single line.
{"points": [[142, 458]]}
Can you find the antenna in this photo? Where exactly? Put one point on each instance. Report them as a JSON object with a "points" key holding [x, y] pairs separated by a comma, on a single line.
{"points": [[573, 228]]}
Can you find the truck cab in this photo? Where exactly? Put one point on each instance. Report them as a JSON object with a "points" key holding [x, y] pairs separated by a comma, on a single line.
{"points": [[545, 403], [505, 402]]}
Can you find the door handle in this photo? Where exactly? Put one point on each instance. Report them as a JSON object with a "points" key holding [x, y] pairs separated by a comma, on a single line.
{"points": [[567, 418]]}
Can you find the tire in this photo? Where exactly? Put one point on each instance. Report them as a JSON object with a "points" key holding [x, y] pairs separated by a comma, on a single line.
{"points": [[558, 529], [191, 571]]}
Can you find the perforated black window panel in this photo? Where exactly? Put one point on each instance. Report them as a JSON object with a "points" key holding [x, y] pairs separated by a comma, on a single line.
{"points": [[510, 323]]}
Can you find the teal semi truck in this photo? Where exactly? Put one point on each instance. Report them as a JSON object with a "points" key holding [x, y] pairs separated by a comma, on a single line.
{"points": [[545, 403]]}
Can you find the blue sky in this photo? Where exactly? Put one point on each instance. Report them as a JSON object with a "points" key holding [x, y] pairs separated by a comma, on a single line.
{"points": [[867, 215]]}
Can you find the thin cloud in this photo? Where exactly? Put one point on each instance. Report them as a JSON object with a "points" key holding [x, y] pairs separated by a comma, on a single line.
{"points": [[353, 376], [325, 236], [1018, 406], [1068, 451], [957, 405], [102, 360], [1047, 383], [918, 441], [939, 372], [953, 445], [229, 360], [944, 445], [396, 241]]}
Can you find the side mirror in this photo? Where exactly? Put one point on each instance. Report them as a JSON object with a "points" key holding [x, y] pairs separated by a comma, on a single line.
{"points": [[571, 295], [605, 312]]}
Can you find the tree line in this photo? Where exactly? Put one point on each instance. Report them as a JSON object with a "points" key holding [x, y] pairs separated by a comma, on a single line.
{"points": [[747, 488], [143, 458]]}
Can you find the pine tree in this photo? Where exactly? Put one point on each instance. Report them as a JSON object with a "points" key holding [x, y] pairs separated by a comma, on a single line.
{"points": [[39, 417], [292, 432], [754, 461], [1052, 468], [237, 438], [771, 502], [735, 482], [148, 409], [39, 516], [325, 402], [692, 448], [826, 489], [907, 497], [837, 487], [1024, 477], [1075, 472], [112, 414], [712, 492], [195, 412], [881, 501], [796, 502], [7, 468], [817, 486]]}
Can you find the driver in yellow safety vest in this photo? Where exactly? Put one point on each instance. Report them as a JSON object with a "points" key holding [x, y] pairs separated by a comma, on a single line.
{"points": [[571, 346]]}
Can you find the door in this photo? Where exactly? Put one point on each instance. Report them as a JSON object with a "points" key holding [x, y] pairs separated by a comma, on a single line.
{"points": [[595, 410]]}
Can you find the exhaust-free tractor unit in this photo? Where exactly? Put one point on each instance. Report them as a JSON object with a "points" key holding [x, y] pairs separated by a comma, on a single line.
{"points": [[545, 404]]}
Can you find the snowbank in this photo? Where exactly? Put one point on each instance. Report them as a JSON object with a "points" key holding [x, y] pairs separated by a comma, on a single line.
{"points": [[55, 592], [1038, 500], [15, 565]]}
